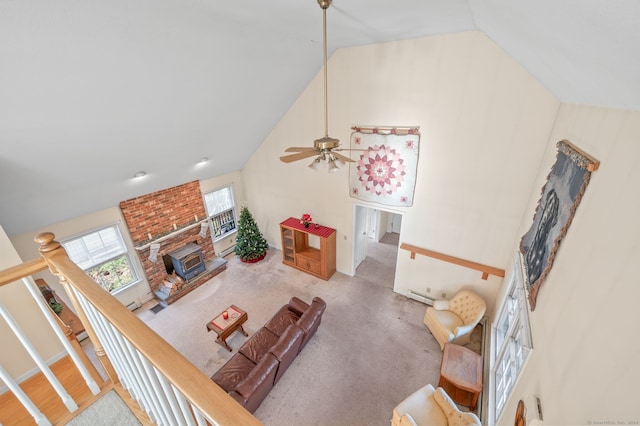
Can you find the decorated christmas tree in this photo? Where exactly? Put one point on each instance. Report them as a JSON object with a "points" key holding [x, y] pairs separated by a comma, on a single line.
{"points": [[251, 246]]}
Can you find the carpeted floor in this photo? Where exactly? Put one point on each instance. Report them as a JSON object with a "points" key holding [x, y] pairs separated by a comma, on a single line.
{"points": [[379, 267], [109, 410], [371, 350]]}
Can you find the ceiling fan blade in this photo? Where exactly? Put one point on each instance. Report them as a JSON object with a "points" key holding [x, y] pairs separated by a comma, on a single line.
{"points": [[353, 149], [299, 156], [299, 149], [342, 157]]}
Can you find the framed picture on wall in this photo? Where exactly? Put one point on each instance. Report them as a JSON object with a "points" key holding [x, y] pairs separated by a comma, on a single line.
{"points": [[561, 195]]}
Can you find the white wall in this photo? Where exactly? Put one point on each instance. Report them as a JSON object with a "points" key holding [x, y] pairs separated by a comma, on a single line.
{"points": [[22, 307], [484, 124], [383, 225], [377, 221], [584, 366]]}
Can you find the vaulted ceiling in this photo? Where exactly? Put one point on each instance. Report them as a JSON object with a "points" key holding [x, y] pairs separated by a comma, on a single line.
{"points": [[92, 92]]}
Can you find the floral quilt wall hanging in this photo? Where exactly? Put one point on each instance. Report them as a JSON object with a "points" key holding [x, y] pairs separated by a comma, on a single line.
{"points": [[386, 162]]}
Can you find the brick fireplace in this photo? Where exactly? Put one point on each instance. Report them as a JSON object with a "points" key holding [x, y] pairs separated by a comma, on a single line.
{"points": [[170, 217]]}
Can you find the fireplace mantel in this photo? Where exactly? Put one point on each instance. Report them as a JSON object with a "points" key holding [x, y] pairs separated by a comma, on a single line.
{"points": [[179, 231]]}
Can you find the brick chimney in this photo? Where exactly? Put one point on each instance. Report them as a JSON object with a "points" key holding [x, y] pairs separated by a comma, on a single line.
{"points": [[168, 212]]}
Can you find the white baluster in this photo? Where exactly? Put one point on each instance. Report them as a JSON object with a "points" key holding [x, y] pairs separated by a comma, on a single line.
{"points": [[141, 380], [177, 414], [199, 417], [184, 406], [155, 388], [57, 386], [37, 296], [37, 415], [106, 337]]}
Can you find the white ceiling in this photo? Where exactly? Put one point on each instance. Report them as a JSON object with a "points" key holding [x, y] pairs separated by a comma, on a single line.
{"points": [[93, 91]]}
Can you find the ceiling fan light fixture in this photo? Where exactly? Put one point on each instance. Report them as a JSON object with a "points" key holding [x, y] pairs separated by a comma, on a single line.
{"points": [[333, 167], [337, 160], [315, 164]]}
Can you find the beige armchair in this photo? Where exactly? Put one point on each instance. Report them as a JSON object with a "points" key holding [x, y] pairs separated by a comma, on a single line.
{"points": [[453, 320], [431, 407]]}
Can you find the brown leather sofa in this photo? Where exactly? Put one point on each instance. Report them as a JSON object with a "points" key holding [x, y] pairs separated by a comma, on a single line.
{"points": [[262, 360]]}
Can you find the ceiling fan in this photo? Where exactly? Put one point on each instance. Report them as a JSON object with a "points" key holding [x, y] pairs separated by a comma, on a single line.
{"points": [[324, 149]]}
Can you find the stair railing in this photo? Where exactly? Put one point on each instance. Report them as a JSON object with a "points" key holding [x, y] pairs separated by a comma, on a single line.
{"points": [[166, 386], [64, 335]]}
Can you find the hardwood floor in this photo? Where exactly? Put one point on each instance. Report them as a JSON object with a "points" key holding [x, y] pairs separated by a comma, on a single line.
{"points": [[44, 396]]}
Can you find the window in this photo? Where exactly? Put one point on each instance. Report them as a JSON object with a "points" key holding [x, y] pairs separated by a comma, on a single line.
{"points": [[103, 255], [221, 211], [513, 338]]}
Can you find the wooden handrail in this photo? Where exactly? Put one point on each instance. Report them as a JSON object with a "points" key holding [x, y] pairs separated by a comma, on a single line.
{"points": [[18, 272], [486, 270]]}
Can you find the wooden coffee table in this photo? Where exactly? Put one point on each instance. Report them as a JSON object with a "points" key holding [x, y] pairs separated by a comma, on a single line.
{"points": [[461, 374], [225, 327]]}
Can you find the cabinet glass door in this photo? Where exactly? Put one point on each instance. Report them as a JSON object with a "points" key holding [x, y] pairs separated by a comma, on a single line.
{"points": [[287, 244]]}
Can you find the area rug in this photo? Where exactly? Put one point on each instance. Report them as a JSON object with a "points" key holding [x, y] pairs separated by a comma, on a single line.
{"points": [[109, 410]]}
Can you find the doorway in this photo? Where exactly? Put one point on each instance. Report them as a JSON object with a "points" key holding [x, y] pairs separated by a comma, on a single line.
{"points": [[376, 238]]}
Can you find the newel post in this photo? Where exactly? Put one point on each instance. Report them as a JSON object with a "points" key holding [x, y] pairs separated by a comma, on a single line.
{"points": [[49, 248]]}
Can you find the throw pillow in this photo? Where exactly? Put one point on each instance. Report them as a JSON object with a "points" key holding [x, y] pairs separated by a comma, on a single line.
{"points": [[454, 416], [441, 305], [407, 420]]}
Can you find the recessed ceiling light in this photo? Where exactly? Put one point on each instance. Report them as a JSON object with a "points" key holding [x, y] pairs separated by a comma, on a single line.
{"points": [[203, 160], [140, 174]]}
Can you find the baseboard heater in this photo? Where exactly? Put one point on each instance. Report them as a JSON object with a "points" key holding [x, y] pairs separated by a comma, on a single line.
{"points": [[139, 302], [420, 297], [134, 305], [226, 251]]}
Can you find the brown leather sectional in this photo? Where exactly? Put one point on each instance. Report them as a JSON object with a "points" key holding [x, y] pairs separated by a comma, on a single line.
{"points": [[262, 360]]}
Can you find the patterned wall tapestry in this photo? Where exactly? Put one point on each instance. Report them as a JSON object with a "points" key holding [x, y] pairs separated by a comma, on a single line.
{"points": [[560, 197], [385, 169]]}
